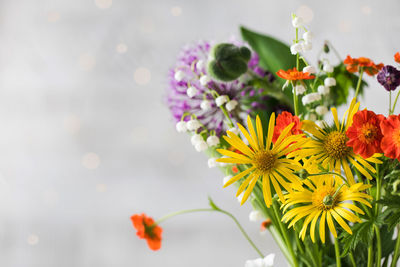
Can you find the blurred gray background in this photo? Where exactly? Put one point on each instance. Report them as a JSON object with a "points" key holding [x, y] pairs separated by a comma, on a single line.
{"points": [[86, 140]]}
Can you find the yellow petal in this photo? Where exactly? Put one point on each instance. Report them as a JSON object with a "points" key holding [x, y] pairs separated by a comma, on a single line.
{"points": [[267, 191], [341, 221], [312, 228], [271, 127], [247, 135], [239, 176], [248, 191], [235, 141], [232, 154], [322, 227], [260, 134], [330, 223], [252, 132], [335, 118]]}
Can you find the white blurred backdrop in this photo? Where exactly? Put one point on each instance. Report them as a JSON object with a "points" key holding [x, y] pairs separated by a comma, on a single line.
{"points": [[86, 140]]}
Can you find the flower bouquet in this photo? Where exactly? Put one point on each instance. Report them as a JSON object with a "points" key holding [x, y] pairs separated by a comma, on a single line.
{"points": [[328, 192]]}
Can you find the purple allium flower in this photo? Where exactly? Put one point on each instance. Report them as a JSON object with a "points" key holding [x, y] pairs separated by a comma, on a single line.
{"points": [[192, 66], [389, 77]]}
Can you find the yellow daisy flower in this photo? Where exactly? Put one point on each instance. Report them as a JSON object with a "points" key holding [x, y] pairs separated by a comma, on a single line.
{"points": [[328, 147], [264, 160], [324, 199]]}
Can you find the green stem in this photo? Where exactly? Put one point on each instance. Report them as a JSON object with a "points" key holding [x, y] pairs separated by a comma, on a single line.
{"points": [[295, 101], [396, 249], [370, 256], [337, 253], [166, 217], [285, 236], [379, 252], [395, 102], [390, 102], [359, 82], [353, 262]]}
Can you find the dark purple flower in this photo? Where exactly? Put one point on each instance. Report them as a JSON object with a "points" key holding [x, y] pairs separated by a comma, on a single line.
{"points": [[389, 77]]}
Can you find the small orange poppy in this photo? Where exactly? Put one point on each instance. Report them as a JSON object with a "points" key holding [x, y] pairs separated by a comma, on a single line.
{"points": [[147, 229], [397, 57], [354, 65], [294, 75]]}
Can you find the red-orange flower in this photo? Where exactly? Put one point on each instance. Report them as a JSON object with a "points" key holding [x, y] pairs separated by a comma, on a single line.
{"points": [[354, 65], [294, 75], [235, 169], [391, 137], [365, 134], [284, 119], [146, 229], [397, 57]]}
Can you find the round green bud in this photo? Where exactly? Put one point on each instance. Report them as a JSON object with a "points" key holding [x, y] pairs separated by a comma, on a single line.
{"points": [[228, 62], [328, 200]]}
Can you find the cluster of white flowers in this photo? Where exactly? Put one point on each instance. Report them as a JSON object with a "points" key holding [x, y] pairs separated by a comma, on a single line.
{"points": [[268, 261], [329, 82], [229, 104], [305, 44], [299, 89], [197, 140], [323, 90], [311, 98]]}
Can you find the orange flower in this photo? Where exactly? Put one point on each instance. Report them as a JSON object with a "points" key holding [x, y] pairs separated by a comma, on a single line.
{"points": [[354, 65], [284, 119], [365, 134], [265, 224], [294, 75], [391, 136], [147, 229], [235, 169], [397, 57]]}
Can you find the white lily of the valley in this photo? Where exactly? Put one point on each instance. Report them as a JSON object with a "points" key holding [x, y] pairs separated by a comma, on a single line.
{"points": [[179, 75], [268, 261], [181, 127]]}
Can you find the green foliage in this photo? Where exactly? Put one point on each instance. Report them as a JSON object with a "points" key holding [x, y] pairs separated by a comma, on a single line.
{"points": [[228, 61], [274, 55], [392, 212], [363, 233]]}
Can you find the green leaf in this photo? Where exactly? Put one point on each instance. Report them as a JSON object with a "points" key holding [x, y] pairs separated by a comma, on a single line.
{"points": [[362, 232], [274, 54], [392, 212], [212, 204]]}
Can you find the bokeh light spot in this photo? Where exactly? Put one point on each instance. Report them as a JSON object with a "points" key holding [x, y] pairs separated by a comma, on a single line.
{"points": [[306, 13], [103, 4], [142, 76], [176, 11], [91, 161]]}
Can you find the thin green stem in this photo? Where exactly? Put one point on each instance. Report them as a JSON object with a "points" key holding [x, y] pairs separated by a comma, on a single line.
{"points": [[396, 249], [395, 102], [378, 242], [370, 256], [337, 253], [166, 217], [285, 236], [352, 260], [359, 82], [295, 101], [390, 102]]}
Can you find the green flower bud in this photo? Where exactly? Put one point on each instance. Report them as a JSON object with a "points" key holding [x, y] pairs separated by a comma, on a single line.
{"points": [[303, 173], [228, 61], [326, 48]]}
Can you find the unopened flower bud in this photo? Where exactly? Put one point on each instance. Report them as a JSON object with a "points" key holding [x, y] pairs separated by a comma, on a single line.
{"points": [[321, 110], [327, 68], [212, 140], [204, 80], [255, 216], [179, 75], [323, 90], [308, 36], [200, 65], [222, 99], [212, 163], [196, 138], [201, 146], [296, 48], [309, 69], [300, 89], [191, 91], [205, 105], [193, 125], [297, 22], [330, 81], [181, 127], [303, 173], [231, 105]]}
